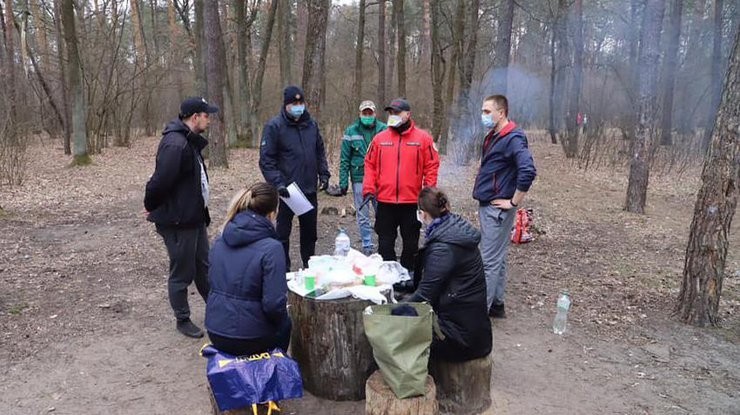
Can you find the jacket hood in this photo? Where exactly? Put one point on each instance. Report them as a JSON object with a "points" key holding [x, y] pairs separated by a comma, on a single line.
{"points": [[246, 228], [177, 126], [457, 231]]}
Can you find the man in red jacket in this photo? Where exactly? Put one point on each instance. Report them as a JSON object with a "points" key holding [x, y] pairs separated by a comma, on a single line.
{"points": [[400, 161]]}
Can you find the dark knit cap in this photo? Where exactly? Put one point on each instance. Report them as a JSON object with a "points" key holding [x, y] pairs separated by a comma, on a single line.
{"points": [[292, 94]]}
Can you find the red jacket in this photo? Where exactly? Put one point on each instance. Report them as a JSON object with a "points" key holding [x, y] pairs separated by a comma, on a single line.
{"points": [[397, 166]]}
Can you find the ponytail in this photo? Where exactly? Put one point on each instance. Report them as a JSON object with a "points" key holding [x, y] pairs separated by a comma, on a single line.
{"points": [[261, 198]]}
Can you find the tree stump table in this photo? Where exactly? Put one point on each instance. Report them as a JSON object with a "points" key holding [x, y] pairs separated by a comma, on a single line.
{"points": [[463, 387], [380, 399], [328, 341]]}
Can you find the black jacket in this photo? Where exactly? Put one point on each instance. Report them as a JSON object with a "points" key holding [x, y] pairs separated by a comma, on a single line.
{"points": [[293, 151], [454, 284], [173, 194]]}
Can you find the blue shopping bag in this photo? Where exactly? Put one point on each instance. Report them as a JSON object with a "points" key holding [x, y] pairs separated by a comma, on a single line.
{"points": [[239, 381]]}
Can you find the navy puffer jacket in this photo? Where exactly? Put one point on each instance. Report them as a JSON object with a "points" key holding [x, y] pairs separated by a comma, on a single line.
{"points": [[293, 151], [249, 292]]}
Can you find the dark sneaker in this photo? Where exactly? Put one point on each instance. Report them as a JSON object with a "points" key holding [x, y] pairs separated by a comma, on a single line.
{"points": [[189, 329], [497, 311]]}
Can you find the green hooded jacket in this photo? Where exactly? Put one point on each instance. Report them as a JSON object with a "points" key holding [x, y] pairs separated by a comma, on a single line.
{"points": [[355, 143]]}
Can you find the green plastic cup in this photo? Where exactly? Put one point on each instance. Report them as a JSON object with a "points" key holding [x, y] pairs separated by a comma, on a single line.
{"points": [[370, 280], [310, 282]]}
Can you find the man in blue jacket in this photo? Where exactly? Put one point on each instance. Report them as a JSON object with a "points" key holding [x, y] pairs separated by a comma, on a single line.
{"points": [[505, 175], [292, 150], [177, 201]]}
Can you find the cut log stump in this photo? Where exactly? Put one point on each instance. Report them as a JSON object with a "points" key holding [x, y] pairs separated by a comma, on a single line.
{"points": [[380, 399], [329, 343], [463, 387]]}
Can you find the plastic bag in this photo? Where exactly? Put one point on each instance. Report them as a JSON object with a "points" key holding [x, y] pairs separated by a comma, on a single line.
{"points": [[240, 381], [401, 346], [391, 272]]}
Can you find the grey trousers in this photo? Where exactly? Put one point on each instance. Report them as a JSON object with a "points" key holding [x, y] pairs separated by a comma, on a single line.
{"points": [[495, 227], [188, 252]]}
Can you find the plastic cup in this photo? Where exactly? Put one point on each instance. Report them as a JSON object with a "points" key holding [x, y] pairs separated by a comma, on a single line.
{"points": [[310, 282], [370, 280]]}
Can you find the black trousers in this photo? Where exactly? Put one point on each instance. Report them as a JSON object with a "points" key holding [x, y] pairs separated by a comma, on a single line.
{"points": [[307, 227], [188, 252], [244, 347], [388, 219]]}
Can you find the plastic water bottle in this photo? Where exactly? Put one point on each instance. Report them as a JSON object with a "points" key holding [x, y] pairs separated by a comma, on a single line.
{"points": [[561, 318], [341, 243]]}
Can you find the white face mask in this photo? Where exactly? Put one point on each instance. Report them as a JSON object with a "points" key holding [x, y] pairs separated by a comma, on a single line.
{"points": [[394, 120], [420, 217]]}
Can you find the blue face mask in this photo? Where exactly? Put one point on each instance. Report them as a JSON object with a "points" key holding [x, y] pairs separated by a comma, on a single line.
{"points": [[487, 121], [297, 110]]}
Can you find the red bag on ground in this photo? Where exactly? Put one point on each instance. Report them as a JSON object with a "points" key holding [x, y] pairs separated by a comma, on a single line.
{"points": [[521, 232]]}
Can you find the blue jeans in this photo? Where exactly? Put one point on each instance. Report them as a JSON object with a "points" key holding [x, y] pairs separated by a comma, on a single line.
{"points": [[363, 217], [495, 227]]}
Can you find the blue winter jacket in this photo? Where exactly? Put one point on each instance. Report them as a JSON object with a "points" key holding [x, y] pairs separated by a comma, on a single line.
{"points": [[506, 165], [293, 151], [249, 292]]}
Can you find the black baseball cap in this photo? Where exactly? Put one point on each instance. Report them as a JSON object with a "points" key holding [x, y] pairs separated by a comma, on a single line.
{"points": [[194, 105], [398, 104]]}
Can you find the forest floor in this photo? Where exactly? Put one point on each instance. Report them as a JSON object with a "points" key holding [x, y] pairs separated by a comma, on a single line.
{"points": [[85, 326]]}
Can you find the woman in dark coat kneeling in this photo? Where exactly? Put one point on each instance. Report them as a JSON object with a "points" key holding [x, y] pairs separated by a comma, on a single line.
{"points": [[453, 281], [246, 310]]}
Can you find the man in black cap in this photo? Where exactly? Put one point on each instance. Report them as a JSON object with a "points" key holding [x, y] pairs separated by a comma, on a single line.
{"points": [[177, 201], [292, 150]]}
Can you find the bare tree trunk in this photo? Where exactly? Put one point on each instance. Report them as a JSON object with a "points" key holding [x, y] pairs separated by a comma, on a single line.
{"points": [[200, 69], [398, 12], [503, 48], [61, 49], [175, 58], [260, 75], [39, 17], [318, 16], [458, 31], [694, 55], [74, 77], [140, 47], [704, 267], [153, 18], [359, 49], [286, 45], [381, 52], [553, 72], [467, 60], [562, 59], [392, 52], [242, 68], [648, 81], [574, 107], [426, 33], [438, 73], [716, 82], [669, 70], [9, 29], [215, 73]]}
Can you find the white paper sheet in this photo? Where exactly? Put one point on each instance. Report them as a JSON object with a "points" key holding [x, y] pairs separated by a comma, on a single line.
{"points": [[297, 201]]}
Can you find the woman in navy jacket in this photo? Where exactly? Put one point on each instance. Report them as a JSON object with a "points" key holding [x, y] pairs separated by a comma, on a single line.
{"points": [[246, 310], [452, 281]]}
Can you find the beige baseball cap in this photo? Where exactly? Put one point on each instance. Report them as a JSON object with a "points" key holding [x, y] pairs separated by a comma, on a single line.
{"points": [[365, 105]]}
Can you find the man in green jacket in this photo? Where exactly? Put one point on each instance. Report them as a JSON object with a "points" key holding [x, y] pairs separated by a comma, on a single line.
{"points": [[356, 140]]}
